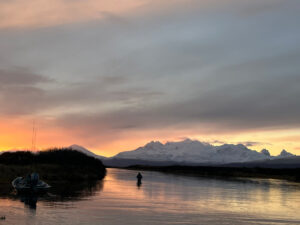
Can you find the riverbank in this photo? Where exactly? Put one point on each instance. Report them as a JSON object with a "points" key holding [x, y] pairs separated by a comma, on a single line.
{"points": [[54, 165], [225, 172]]}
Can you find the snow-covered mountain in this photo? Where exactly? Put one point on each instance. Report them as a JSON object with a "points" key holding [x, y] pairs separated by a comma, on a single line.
{"points": [[284, 154], [187, 152], [265, 152], [190, 151]]}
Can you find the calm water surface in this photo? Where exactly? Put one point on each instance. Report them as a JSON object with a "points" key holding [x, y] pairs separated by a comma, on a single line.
{"points": [[162, 199]]}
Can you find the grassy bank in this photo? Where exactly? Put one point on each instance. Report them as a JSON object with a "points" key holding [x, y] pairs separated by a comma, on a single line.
{"points": [[56, 165], [226, 172]]}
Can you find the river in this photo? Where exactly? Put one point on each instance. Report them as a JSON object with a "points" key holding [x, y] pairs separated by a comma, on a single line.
{"points": [[161, 199]]}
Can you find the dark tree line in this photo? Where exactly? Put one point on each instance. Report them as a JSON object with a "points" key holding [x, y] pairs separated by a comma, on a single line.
{"points": [[56, 156], [55, 162]]}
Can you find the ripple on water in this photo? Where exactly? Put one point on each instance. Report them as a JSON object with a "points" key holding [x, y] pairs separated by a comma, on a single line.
{"points": [[161, 199]]}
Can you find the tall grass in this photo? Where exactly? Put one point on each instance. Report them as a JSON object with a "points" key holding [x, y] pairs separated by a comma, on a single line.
{"points": [[52, 165]]}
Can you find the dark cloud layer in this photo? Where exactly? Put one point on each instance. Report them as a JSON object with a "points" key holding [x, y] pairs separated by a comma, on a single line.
{"points": [[253, 143], [25, 93], [20, 76], [19, 91], [231, 66]]}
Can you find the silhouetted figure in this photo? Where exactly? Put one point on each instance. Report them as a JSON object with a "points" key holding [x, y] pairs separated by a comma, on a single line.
{"points": [[28, 179], [34, 179], [139, 179]]}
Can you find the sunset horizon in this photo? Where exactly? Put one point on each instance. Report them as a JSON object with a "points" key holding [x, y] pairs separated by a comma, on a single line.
{"points": [[112, 76], [130, 112], [119, 147]]}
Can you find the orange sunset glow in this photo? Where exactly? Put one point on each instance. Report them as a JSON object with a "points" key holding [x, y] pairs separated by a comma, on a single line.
{"points": [[42, 13], [149, 112], [115, 75], [17, 134]]}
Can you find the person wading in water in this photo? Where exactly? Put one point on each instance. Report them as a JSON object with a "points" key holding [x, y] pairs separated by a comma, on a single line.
{"points": [[139, 179]]}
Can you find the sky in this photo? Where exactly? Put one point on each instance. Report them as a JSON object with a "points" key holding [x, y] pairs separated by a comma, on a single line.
{"points": [[114, 75]]}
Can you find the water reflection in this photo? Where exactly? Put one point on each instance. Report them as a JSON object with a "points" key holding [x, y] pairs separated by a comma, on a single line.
{"points": [[60, 192], [173, 199], [73, 190], [260, 197], [29, 200]]}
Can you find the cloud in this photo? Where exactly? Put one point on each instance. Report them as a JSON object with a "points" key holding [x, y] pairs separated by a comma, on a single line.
{"points": [[25, 93], [208, 66], [217, 142], [253, 143], [33, 13], [19, 91], [20, 76]]}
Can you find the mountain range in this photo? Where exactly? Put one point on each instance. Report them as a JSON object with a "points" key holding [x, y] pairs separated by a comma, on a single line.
{"points": [[192, 152]]}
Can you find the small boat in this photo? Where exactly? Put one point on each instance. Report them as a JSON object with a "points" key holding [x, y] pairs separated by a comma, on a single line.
{"points": [[30, 184]]}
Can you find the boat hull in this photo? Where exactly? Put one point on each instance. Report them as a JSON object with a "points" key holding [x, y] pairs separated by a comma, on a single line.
{"points": [[21, 186]]}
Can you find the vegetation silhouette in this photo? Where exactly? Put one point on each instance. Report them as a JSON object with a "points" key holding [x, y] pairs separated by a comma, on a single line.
{"points": [[71, 174], [56, 165]]}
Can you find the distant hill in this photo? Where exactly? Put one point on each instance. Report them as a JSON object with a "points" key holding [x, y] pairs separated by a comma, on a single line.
{"points": [[85, 151], [287, 162]]}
